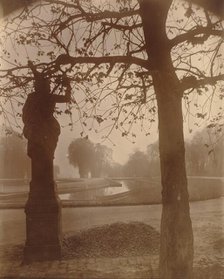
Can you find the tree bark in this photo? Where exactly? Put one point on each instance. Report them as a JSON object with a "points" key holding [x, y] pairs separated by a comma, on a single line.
{"points": [[176, 245], [176, 250]]}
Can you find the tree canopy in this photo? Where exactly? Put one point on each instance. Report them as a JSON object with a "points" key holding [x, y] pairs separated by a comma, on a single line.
{"points": [[102, 49]]}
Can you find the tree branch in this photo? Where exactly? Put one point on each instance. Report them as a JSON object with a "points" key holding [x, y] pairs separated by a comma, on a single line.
{"points": [[90, 17], [60, 2], [193, 82], [122, 27], [66, 59], [109, 15], [191, 35]]}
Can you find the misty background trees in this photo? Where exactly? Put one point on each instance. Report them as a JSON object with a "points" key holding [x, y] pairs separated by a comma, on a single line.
{"points": [[137, 165], [204, 157], [91, 159], [14, 162], [204, 154], [81, 155]]}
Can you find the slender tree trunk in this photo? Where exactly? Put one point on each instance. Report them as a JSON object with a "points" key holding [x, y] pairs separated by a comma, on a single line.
{"points": [[176, 245]]}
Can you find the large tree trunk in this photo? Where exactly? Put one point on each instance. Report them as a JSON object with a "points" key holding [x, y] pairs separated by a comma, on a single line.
{"points": [[176, 251], [176, 246]]}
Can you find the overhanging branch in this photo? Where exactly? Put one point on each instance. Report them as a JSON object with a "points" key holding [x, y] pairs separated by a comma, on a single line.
{"points": [[61, 2], [192, 82], [191, 35], [91, 17], [110, 15], [122, 27], [66, 59]]}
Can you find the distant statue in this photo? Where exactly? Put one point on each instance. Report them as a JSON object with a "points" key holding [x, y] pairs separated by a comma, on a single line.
{"points": [[40, 126]]}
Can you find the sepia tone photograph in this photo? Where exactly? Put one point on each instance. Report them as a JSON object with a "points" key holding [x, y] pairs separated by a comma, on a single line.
{"points": [[112, 139]]}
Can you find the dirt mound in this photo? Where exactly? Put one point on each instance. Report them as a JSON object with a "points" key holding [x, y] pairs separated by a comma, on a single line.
{"points": [[115, 240]]}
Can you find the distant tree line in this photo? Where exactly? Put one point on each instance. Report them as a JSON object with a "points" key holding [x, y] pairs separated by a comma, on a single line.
{"points": [[204, 156], [95, 160], [14, 163]]}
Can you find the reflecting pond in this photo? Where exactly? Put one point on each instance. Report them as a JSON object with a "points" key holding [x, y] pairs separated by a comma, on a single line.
{"points": [[117, 191], [94, 193]]}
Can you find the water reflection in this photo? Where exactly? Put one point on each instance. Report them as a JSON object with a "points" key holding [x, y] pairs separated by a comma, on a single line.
{"points": [[111, 191], [80, 190], [88, 193], [116, 190]]}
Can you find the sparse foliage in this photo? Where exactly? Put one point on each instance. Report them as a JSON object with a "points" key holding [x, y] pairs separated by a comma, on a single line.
{"points": [[103, 51]]}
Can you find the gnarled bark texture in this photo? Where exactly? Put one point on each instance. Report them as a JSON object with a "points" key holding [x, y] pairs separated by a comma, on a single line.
{"points": [[176, 246]]}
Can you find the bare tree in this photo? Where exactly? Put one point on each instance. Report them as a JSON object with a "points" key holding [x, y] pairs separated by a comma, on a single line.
{"points": [[129, 61]]}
